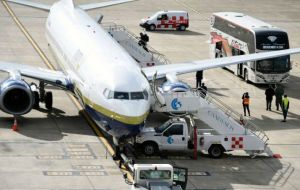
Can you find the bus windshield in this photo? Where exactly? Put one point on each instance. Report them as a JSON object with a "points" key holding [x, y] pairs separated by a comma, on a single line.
{"points": [[271, 40], [275, 65]]}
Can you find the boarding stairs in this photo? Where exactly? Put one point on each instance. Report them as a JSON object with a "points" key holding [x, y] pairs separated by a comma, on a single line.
{"points": [[215, 113], [145, 55]]}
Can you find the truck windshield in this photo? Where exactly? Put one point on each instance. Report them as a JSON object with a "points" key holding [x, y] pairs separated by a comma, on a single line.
{"points": [[276, 65], [163, 127], [155, 174]]}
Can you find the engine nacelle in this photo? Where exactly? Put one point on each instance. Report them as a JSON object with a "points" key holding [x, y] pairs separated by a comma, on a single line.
{"points": [[169, 87], [16, 97]]}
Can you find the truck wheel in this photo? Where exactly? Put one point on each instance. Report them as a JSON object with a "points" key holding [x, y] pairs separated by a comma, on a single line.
{"points": [[152, 27], [182, 27], [48, 100], [215, 151], [149, 148]]}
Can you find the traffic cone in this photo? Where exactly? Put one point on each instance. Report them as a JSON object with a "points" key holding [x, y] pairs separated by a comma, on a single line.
{"points": [[15, 125]]}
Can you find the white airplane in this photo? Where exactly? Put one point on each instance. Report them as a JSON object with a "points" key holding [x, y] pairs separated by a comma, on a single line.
{"points": [[108, 82]]}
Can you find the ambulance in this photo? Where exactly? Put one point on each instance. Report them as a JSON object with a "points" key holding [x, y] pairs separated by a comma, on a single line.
{"points": [[178, 20]]}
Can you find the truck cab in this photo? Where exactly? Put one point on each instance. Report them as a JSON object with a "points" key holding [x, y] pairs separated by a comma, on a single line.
{"points": [[178, 20], [158, 176], [172, 135]]}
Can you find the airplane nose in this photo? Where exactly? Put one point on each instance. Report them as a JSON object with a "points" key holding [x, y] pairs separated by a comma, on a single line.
{"points": [[135, 112]]}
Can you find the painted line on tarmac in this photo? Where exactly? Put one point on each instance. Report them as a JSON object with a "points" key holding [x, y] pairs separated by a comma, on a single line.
{"points": [[50, 66]]}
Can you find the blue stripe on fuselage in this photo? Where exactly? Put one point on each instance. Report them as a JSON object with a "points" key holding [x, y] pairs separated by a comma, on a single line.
{"points": [[113, 127]]}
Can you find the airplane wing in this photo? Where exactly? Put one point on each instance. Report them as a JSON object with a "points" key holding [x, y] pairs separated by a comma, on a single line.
{"points": [[193, 66], [32, 4], [103, 4], [56, 78], [83, 6]]}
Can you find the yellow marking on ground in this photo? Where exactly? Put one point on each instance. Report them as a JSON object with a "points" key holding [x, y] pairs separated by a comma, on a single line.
{"points": [[50, 66]]}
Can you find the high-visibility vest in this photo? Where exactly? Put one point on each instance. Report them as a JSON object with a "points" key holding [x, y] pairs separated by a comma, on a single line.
{"points": [[285, 103], [246, 101]]}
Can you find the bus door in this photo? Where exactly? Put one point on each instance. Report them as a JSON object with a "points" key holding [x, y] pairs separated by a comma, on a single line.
{"points": [[240, 65]]}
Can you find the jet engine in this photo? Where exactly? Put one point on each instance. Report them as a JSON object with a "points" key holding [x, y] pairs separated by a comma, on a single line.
{"points": [[169, 87], [172, 84], [16, 97]]}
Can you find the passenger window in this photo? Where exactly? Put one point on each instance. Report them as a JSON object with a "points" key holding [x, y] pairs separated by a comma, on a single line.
{"points": [[159, 17], [176, 129]]}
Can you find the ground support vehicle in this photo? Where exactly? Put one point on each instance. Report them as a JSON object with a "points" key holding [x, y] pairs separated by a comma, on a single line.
{"points": [[178, 20], [158, 176], [228, 129], [155, 176], [145, 55], [177, 135]]}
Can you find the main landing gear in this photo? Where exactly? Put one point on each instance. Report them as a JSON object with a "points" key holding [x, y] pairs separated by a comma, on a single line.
{"points": [[40, 95]]}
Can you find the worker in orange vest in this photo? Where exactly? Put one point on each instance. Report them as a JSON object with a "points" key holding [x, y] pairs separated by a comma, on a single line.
{"points": [[246, 102]]}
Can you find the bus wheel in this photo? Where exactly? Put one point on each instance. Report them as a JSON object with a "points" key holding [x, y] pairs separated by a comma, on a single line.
{"points": [[246, 78], [152, 27], [215, 151]]}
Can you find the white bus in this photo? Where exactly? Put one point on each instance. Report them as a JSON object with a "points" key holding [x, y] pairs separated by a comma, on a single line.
{"points": [[237, 34]]}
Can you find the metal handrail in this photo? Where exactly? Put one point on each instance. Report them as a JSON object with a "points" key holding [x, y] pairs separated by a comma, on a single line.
{"points": [[158, 56], [233, 114]]}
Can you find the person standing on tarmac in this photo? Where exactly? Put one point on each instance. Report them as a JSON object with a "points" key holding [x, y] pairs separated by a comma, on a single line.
{"points": [[199, 77], [246, 102], [269, 96], [279, 91], [285, 107]]}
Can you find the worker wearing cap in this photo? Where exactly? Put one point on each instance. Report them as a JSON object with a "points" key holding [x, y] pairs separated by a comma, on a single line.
{"points": [[285, 107]]}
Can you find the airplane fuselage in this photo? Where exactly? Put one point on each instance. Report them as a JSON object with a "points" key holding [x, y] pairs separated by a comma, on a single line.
{"points": [[107, 80]]}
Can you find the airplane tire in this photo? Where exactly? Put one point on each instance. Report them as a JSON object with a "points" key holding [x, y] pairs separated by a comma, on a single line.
{"points": [[215, 151], [149, 148], [36, 100], [48, 100]]}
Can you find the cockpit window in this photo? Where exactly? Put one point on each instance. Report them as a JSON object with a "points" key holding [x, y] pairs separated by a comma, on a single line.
{"points": [[146, 95], [126, 95], [121, 95], [136, 95]]}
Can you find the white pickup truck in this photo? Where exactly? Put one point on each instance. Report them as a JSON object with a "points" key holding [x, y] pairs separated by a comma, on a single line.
{"points": [[174, 135]]}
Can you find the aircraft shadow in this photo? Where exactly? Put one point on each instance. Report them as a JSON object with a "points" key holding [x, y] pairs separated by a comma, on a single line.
{"points": [[181, 33], [54, 127]]}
